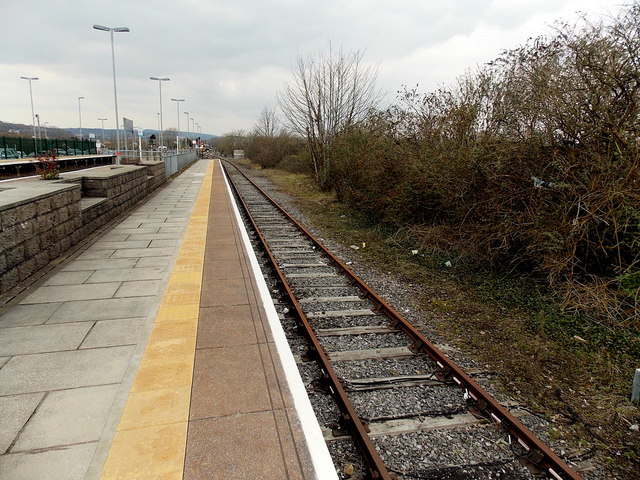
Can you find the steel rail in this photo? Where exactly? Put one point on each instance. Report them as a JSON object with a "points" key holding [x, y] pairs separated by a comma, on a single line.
{"points": [[539, 454], [350, 418]]}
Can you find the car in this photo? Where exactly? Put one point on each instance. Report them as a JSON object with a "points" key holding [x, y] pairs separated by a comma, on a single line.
{"points": [[8, 153]]}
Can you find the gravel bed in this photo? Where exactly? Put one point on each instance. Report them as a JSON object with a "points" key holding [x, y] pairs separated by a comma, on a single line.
{"points": [[424, 400], [346, 458], [364, 342], [309, 371], [321, 306], [298, 345], [308, 270], [385, 367], [476, 445], [345, 322], [335, 281], [326, 410], [275, 248], [299, 260], [307, 292]]}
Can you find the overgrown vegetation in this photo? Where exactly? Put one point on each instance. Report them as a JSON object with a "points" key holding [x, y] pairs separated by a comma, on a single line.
{"points": [[530, 163], [574, 373]]}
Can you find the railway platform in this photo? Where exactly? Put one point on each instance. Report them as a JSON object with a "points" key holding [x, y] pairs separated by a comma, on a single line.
{"points": [[156, 353]]}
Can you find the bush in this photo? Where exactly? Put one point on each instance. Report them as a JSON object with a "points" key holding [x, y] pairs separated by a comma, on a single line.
{"points": [[530, 162]]}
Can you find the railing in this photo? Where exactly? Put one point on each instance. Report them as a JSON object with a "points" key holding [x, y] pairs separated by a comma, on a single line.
{"points": [[173, 163], [23, 147]]}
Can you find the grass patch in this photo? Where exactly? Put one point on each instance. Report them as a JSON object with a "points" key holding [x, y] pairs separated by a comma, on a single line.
{"points": [[573, 370]]}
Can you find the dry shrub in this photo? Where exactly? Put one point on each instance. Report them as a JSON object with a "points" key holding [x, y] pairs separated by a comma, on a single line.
{"points": [[531, 162]]}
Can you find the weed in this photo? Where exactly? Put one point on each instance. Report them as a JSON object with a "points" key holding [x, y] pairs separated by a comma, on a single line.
{"points": [[49, 169]]}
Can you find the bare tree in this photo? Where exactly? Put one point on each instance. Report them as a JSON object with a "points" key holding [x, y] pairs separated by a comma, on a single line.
{"points": [[268, 122], [329, 93]]}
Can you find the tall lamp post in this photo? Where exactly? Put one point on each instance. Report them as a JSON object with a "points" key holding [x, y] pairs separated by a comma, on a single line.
{"points": [[80, 116], [33, 115], [115, 90], [193, 130], [187, 136], [178, 100], [160, 80], [102, 121]]}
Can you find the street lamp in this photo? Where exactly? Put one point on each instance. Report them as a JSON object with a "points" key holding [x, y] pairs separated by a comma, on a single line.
{"points": [[33, 115], [160, 80], [193, 130], [187, 136], [102, 120], [178, 100], [115, 90], [80, 116]]}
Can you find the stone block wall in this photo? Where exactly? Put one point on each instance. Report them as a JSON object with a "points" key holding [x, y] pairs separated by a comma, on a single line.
{"points": [[35, 232], [155, 174]]}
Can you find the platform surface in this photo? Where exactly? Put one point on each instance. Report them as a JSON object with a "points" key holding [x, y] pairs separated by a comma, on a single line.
{"points": [[151, 355]]}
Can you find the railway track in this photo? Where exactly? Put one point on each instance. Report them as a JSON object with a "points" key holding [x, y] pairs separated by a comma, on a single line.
{"points": [[391, 404]]}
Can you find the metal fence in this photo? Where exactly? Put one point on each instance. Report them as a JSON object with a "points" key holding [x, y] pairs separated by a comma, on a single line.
{"points": [[21, 147], [174, 163]]}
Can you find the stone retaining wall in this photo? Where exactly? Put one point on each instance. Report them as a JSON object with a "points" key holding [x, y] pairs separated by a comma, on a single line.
{"points": [[36, 232], [40, 220]]}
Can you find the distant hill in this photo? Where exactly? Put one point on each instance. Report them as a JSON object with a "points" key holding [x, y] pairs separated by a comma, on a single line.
{"points": [[111, 132], [10, 129]]}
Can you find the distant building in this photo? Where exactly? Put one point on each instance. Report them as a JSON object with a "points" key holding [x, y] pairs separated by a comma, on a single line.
{"points": [[238, 154]]}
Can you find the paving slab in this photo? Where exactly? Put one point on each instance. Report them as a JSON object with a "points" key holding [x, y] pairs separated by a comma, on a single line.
{"points": [[126, 275], [124, 244], [138, 288], [68, 278], [96, 253], [157, 236], [249, 436], [130, 230], [160, 243], [115, 237], [67, 417], [68, 463], [162, 262], [107, 309], [61, 370], [109, 333], [16, 410], [99, 264], [35, 314], [67, 293], [143, 252], [42, 338], [170, 230]]}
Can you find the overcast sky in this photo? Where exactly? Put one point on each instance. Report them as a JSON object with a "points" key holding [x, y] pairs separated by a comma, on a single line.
{"points": [[228, 58]]}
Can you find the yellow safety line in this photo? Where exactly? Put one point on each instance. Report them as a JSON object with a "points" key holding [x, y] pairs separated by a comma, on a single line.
{"points": [[151, 436]]}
